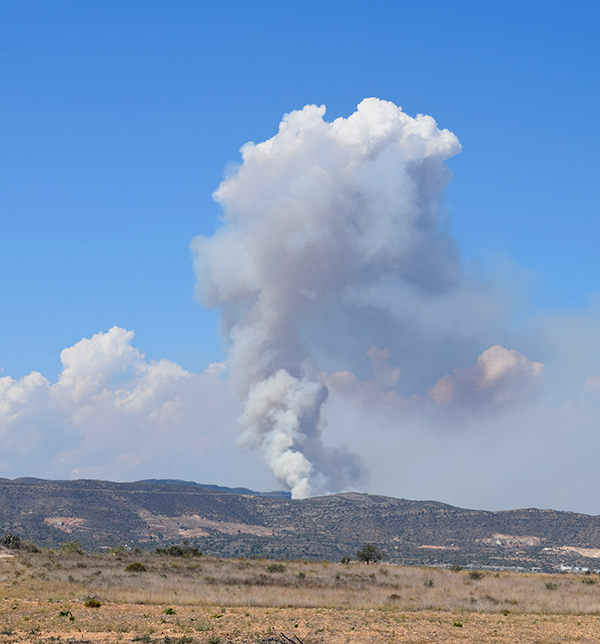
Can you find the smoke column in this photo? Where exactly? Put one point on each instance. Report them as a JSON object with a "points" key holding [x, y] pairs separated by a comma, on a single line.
{"points": [[321, 217]]}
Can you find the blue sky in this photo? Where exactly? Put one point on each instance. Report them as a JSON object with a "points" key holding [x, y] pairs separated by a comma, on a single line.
{"points": [[119, 120]]}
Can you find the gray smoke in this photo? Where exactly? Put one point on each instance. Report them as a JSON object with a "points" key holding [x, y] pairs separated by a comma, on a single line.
{"points": [[323, 223]]}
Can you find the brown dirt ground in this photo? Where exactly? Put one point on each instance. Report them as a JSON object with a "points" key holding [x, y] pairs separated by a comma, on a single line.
{"points": [[39, 622]]}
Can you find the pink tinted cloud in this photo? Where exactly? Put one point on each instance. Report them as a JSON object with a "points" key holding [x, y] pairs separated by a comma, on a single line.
{"points": [[499, 376]]}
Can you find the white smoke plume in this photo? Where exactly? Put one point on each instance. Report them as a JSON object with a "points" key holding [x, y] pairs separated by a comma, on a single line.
{"points": [[331, 232]]}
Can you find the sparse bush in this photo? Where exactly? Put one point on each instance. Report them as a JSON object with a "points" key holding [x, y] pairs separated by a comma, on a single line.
{"points": [[276, 567], [550, 585], [136, 566], [301, 575], [369, 553], [14, 542], [457, 624], [476, 575], [429, 583], [589, 580], [455, 567], [71, 548], [11, 541], [170, 611], [202, 627], [345, 560], [179, 551], [117, 550], [92, 602]]}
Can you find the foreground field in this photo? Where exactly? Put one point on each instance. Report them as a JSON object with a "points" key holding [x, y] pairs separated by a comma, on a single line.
{"points": [[39, 622], [168, 600]]}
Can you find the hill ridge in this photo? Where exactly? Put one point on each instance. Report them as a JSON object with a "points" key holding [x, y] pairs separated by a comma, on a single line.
{"points": [[226, 522]]}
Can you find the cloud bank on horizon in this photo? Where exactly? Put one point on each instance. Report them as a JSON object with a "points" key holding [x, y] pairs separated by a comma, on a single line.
{"points": [[362, 352], [109, 411]]}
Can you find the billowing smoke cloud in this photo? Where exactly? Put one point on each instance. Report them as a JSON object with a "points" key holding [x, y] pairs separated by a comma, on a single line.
{"points": [[332, 242]]}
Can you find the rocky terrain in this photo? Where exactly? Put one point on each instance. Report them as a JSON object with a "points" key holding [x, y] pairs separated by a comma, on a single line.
{"points": [[148, 514]]}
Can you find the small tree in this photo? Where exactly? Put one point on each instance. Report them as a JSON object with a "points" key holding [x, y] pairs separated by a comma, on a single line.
{"points": [[369, 553], [12, 541]]}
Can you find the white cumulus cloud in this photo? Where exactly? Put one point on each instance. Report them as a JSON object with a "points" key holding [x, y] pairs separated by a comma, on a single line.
{"points": [[112, 413]]}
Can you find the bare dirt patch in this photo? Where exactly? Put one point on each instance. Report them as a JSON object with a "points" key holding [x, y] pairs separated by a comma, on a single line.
{"points": [[66, 524], [47, 622]]}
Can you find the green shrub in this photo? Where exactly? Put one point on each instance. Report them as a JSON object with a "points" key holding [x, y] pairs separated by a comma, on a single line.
{"points": [[276, 567], [92, 602], [136, 566], [179, 551]]}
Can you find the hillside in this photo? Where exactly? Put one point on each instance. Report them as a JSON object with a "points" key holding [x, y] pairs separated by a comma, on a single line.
{"points": [[148, 514]]}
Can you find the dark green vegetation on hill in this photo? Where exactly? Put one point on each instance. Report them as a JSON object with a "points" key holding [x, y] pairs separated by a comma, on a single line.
{"points": [[151, 514]]}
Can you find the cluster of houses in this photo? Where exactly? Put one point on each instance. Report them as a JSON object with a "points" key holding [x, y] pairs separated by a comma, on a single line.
{"points": [[565, 568]]}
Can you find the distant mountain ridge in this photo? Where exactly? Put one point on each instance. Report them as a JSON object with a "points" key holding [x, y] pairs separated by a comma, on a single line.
{"points": [[220, 488], [240, 522]]}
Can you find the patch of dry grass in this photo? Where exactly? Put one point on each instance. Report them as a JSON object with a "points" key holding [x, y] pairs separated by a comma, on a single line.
{"points": [[237, 601], [207, 581]]}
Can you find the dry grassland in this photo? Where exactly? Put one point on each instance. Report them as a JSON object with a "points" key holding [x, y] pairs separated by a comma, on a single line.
{"points": [[215, 601]]}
